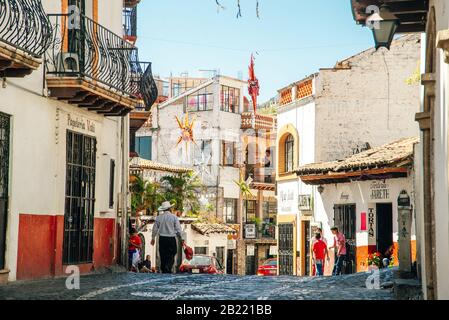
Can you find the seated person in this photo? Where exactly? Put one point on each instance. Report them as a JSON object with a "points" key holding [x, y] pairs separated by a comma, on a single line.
{"points": [[145, 266]]}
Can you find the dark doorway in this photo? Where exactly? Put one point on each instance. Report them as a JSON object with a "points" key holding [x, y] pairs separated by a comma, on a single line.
{"points": [[307, 237], [345, 221], [80, 198], [4, 181], [230, 262], [384, 218], [286, 249], [251, 262]]}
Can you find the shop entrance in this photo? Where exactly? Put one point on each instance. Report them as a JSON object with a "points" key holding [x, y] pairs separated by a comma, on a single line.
{"points": [[345, 221], [79, 199], [384, 218], [285, 250], [4, 175]]}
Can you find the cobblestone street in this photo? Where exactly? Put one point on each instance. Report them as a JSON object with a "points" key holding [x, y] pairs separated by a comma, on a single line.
{"points": [[187, 287]]}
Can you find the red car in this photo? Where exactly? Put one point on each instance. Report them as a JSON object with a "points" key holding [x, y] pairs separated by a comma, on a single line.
{"points": [[269, 268], [201, 264]]}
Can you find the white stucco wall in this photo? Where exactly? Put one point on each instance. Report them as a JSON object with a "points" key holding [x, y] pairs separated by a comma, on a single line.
{"points": [[37, 170], [441, 189], [369, 102]]}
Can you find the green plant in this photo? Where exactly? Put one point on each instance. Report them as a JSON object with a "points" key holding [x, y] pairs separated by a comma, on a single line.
{"points": [[182, 190], [145, 195]]}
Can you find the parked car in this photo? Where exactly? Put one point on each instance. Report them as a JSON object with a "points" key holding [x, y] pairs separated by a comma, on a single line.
{"points": [[268, 268], [201, 264]]}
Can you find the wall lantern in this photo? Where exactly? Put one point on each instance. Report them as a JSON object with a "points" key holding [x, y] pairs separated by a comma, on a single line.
{"points": [[384, 25], [320, 189]]}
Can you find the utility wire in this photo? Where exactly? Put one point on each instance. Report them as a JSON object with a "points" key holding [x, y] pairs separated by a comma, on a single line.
{"points": [[196, 44]]}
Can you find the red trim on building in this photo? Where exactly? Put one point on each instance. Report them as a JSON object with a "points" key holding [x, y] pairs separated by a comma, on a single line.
{"points": [[41, 243]]}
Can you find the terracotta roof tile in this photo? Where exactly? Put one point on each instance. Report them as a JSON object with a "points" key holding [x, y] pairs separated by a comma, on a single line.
{"points": [[396, 154]]}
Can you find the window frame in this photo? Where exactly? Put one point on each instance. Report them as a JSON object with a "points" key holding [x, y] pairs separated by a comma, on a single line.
{"points": [[289, 153], [225, 104], [230, 203]]}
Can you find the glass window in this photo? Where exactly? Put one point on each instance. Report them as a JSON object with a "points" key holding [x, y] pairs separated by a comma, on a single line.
{"points": [[250, 211], [228, 158], [202, 100], [269, 211], [200, 250], [289, 145], [230, 99], [230, 211]]}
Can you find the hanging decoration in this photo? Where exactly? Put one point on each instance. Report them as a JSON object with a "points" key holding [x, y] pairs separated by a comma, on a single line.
{"points": [[244, 187], [186, 130], [253, 84]]}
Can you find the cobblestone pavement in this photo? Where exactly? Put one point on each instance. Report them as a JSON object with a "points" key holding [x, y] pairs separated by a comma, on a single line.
{"points": [[198, 287]]}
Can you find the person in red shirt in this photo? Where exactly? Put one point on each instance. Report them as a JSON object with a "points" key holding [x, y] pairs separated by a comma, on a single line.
{"points": [[320, 252], [134, 243]]}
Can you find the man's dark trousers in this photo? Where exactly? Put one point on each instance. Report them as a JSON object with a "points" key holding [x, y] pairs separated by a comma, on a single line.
{"points": [[167, 251], [338, 265]]}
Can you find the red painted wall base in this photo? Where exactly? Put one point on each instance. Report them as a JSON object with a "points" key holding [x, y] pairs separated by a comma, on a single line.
{"points": [[41, 243]]}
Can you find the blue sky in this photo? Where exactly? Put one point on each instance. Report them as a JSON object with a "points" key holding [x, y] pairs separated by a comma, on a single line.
{"points": [[293, 38]]}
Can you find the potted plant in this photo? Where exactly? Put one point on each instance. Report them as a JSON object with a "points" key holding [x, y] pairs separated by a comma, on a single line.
{"points": [[375, 259]]}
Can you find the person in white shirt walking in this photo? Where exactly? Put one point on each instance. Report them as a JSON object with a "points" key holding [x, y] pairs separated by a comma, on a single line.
{"points": [[167, 226]]}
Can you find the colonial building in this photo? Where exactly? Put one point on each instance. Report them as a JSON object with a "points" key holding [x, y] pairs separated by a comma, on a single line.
{"points": [[431, 164], [64, 134], [359, 195], [230, 145], [332, 115]]}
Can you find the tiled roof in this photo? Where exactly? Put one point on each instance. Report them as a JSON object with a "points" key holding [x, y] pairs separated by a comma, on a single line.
{"points": [[395, 154], [143, 164], [209, 228]]}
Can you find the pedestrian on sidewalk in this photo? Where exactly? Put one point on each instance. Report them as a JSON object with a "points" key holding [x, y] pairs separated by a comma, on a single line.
{"points": [[312, 242], [320, 253], [167, 226], [134, 247], [340, 250]]}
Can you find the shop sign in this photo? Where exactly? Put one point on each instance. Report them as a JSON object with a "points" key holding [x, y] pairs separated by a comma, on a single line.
{"points": [[80, 123], [273, 250], [250, 231], [379, 190], [305, 202], [344, 196], [371, 223], [232, 244], [287, 198]]}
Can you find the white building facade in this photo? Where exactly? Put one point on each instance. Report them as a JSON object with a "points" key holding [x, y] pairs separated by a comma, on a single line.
{"points": [[64, 139], [332, 115]]}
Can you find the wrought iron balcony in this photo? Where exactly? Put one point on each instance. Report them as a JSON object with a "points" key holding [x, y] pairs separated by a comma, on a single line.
{"points": [[130, 24], [25, 34], [94, 68]]}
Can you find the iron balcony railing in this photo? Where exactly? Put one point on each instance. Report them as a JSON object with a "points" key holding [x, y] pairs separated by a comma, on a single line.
{"points": [[130, 22], [83, 48], [24, 25]]}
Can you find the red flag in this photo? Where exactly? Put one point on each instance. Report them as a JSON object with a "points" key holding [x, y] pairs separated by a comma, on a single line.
{"points": [[253, 84]]}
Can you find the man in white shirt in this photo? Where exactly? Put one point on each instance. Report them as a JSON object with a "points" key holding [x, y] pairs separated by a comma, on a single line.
{"points": [[167, 226]]}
